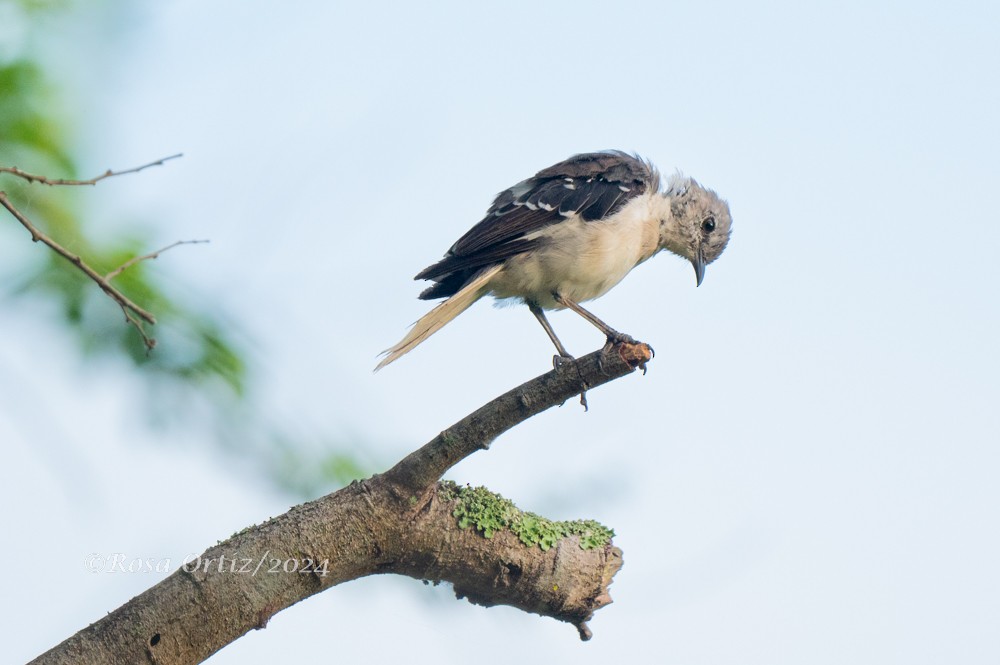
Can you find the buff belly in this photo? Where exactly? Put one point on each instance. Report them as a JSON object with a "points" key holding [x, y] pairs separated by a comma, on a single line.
{"points": [[577, 259]]}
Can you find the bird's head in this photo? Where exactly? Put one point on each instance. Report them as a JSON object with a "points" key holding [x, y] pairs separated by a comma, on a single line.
{"points": [[694, 223]]}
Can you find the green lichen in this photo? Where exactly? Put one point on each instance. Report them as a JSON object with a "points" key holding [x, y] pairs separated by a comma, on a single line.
{"points": [[489, 513], [448, 490]]}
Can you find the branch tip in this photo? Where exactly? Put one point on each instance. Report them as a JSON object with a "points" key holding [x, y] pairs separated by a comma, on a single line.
{"points": [[635, 355], [152, 255]]}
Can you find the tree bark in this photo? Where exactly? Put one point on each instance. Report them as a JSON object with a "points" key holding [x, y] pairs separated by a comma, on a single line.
{"points": [[402, 521]]}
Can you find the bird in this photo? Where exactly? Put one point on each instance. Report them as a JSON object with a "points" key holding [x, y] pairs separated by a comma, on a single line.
{"points": [[568, 235]]}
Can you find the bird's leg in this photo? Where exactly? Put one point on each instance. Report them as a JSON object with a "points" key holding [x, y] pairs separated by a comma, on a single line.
{"points": [[563, 353], [614, 337], [540, 315]]}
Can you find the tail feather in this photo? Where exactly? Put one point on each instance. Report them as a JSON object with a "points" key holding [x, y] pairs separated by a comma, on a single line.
{"points": [[435, 319]]}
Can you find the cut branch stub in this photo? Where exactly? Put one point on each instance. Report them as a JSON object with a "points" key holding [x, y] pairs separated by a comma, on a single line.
{"points": [[556, 569]]}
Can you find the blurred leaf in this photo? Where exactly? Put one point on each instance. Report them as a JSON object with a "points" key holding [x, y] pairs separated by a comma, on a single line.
{"points": [[199, 371], [26, 125]]}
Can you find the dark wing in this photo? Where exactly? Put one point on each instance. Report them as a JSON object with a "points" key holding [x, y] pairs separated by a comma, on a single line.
{"points": [[593, 185]]}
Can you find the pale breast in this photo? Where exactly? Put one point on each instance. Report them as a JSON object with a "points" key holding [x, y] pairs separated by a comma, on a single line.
{"points": [[580, 260]]}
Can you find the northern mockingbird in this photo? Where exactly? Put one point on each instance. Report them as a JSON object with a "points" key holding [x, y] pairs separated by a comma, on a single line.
{"points": [[568, 235]]}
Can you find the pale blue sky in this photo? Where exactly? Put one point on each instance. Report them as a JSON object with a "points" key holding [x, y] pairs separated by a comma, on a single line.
{"points": [[808, 473]]}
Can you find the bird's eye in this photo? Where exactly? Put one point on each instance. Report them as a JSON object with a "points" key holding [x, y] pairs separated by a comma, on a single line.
{"points": [[709, 224]]}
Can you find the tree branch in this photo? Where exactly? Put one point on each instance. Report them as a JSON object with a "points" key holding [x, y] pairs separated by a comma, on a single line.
{"points": [[13, 170], [148, 257], [134, 314], [402, 521], [38, 236], [423, 467]]}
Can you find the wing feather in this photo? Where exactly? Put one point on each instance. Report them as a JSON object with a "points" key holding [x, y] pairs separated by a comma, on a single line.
{"points": [[599, 207]]}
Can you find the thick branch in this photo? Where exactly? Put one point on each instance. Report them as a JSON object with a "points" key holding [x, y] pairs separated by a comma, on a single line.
{"points": [[379, 525], [566, 582]]}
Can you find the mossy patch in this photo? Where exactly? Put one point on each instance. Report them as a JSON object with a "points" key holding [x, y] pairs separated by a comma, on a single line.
{"points": [[490, 512]]}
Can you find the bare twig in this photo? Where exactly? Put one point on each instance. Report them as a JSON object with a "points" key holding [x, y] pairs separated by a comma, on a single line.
{"points": [[37, 236], [152, 255], [30, 177], [147, 341], [134, 314], [423, 467]]}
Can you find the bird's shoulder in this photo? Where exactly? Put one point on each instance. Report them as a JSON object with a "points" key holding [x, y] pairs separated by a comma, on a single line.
{"points": [[614, 166]]}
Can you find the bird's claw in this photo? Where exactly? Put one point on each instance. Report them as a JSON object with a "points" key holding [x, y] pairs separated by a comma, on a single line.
{"points": [[615, 337], [560, 360], [627, 347]]}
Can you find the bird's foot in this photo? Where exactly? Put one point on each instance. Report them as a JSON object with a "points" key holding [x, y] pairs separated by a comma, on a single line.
{"points": [[560, 360], [615, 337], [564, 359]]}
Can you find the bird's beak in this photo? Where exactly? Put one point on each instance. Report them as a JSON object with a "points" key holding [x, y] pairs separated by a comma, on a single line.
{"points": [[699, 267]]}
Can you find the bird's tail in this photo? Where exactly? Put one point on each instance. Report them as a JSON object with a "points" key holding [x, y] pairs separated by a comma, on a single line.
{"points": [[435, 319]]}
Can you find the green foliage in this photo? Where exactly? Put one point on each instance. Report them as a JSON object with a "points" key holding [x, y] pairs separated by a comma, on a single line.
{"points": [[34, 138], [489, 513], [28, 128], [309, 473], [40, 5], [200, 363]]}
